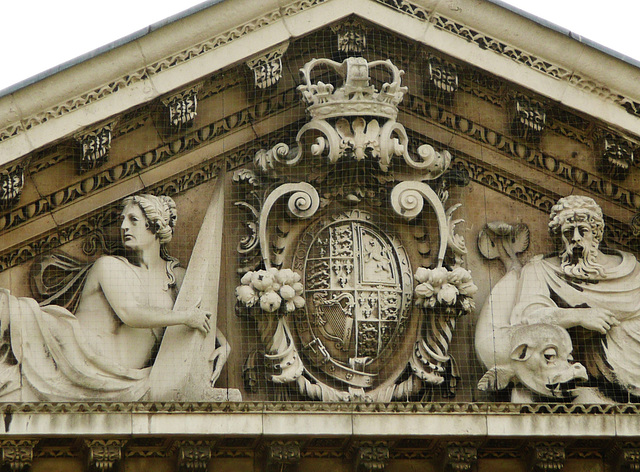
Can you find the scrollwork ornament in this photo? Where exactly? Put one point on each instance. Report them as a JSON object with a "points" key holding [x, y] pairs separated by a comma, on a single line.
{"points": [[17, 455], [331, 291], [104, 454]]}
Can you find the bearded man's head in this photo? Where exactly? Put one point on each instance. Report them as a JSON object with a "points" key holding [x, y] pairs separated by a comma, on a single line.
{"points": [[577, 225]]}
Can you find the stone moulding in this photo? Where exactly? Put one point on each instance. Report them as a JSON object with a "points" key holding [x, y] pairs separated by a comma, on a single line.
{"points": [[267, 68], [136, 164], [90, 226], [541, 65], [502, 182], [522, 152], [416, 105]]}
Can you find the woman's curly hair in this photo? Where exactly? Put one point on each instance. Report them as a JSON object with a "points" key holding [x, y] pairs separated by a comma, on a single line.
{"points": [[161, 217]]}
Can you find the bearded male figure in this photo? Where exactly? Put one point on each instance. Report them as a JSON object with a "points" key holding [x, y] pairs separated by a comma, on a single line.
{"points": [[593, 292]]}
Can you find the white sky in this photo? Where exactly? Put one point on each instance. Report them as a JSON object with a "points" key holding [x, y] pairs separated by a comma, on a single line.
{"points": [[39, 34]]}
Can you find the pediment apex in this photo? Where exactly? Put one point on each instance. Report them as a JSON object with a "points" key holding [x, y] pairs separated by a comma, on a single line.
{"points": [[182, 51]]}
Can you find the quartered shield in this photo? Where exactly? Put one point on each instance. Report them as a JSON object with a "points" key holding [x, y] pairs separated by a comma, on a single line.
{"points": [[357, 286]]}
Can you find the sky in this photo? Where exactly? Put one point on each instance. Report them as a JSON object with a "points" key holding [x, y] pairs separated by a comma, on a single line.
{"points": [[37, 35]]}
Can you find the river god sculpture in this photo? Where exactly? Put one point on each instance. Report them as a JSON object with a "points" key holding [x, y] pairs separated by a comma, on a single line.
{"points": [[590, 291]]}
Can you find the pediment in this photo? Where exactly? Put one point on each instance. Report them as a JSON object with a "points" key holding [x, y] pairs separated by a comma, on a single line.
{"points": [[524, 113]]}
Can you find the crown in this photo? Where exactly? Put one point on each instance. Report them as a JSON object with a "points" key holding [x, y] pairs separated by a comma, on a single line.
{"points": [[355, 97]]}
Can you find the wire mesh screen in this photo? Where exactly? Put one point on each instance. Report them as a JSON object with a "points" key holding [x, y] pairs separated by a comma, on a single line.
{"points": [[350, 216]]}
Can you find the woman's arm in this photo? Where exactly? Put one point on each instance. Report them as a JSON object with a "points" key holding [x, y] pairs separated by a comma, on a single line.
{"points": [[117, 283]]}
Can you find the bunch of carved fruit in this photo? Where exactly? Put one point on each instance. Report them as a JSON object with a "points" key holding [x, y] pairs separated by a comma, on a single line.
{"points": [[445, 287], [271, 289]]}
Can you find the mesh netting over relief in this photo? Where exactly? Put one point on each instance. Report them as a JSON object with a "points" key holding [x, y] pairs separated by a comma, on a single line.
{"points": [[361, 218]]}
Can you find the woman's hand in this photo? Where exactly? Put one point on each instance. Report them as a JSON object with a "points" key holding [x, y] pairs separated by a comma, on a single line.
{"points": [[199, 319]]}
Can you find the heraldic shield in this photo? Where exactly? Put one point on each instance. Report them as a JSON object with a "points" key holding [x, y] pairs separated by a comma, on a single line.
{"points": [[358, 292]]}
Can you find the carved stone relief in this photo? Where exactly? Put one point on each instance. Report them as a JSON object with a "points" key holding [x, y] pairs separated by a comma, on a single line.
{"points": [[460, 457], [442, 77], [329, 282], [500, 240], [182, 108], [17, 455], [521, 335], [193, 456], [351, 37], [11, 185], [267, 69], [530, 118], [282, 456], [64, 360], [616, 154], [370, 455], [95, 146], [545, 457], [103, 455]]}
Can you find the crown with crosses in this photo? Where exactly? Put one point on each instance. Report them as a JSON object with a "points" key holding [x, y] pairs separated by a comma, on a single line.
{"points": [[356, 96]]}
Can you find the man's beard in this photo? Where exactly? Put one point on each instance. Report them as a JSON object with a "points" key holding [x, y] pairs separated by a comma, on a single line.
{"points": [[582, 262]]}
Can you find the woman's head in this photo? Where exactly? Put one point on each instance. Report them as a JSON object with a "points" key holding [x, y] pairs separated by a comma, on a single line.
{"points": [[160, 214]]}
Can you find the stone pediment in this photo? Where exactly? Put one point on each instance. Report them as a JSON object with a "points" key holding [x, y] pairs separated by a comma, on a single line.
{"points": [[321, 156]]}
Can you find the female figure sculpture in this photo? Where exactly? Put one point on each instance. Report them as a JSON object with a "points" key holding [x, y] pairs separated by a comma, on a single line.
{"points": [[105, 350]]}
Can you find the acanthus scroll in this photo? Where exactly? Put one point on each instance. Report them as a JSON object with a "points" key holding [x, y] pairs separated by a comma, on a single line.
{"points": [[304, 203]]}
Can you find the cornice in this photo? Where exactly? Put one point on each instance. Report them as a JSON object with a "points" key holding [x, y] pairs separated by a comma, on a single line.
{"points": [[142, 84], [210, 421]]}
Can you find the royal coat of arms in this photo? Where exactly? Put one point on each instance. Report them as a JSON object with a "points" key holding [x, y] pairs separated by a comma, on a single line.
{"points": [[347, 305]]}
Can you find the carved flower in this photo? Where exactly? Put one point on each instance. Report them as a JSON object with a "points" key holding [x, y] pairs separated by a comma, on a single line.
{"points": [[289, 306], [262, 280], [448, 294], [287, 292], [439, 276], [246, 278], [468, 288], [245, 294], [459, 275], [270, 301], [298, 301], [424, 290], [467, 304], [422, 274], [297, 287], [285, 276]]}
